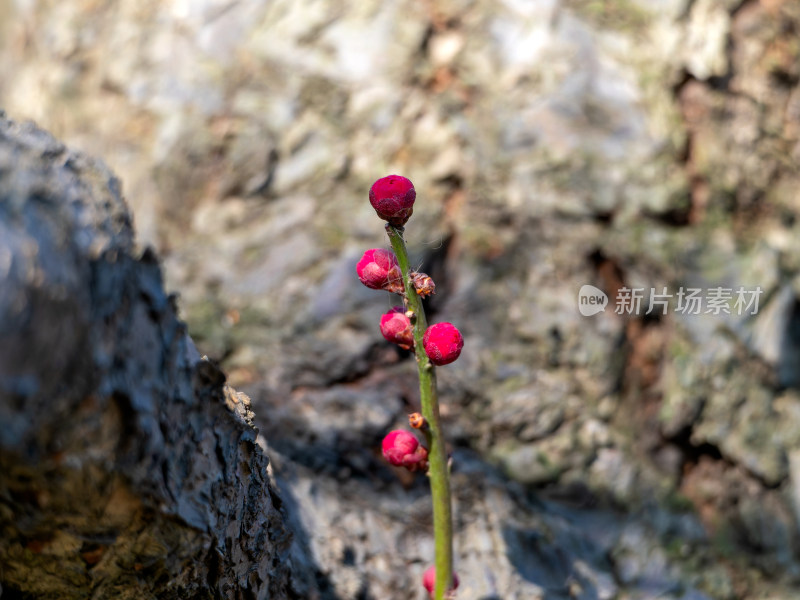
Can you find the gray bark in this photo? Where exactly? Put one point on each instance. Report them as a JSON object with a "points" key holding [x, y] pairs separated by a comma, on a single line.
{"points": [[128, 469]]}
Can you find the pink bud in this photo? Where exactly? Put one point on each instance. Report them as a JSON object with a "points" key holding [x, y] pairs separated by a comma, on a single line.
{"points": [[396, 328], [393, 197], [378, 269], [402, 449], [429, 580], [442, 343]]}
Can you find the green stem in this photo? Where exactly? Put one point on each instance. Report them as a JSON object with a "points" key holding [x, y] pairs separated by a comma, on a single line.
{"points": [[437, 453]]}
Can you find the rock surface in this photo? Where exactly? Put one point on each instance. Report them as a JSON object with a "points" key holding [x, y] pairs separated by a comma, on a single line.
{"points": [[127, 468], [552, 144]]}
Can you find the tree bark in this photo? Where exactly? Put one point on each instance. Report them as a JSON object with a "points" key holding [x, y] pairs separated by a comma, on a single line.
{"points": [[128, 469]]}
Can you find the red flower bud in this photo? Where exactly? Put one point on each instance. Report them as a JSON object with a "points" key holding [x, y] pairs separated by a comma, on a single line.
{"points": [[378, 269], [402, 449], [396, 328], [429, 580], [393, 197], [442, 343]]}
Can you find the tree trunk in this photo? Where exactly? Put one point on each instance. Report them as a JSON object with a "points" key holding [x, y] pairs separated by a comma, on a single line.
{"points": [[128, 469]]}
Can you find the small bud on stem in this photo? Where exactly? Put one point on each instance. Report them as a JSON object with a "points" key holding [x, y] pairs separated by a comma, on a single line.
{"points": [[442, 343], [417, 421], [429, 581], [393, 197], [423, 284], [396, 328], [378, 269], [402, 449]]}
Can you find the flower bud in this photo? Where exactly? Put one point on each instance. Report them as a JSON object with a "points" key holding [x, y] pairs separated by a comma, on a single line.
{"points": [[423, 284], [378, 269], [393, 197], [429, 581], [402, 449], [417, 421], [396, 328], [442, 343]]}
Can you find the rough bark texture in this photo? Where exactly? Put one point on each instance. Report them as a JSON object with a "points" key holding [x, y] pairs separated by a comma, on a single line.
{"points": [[128, 469]]}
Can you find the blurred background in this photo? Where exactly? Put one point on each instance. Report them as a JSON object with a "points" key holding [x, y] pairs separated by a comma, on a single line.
{"points": [[553, 144]]}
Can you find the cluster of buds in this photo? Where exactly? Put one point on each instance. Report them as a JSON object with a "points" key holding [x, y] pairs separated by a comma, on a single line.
{"points": [[378, 270], [393, 198]]}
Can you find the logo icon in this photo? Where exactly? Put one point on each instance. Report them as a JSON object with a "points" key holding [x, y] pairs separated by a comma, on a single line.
{"points": [[591, 300]]}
